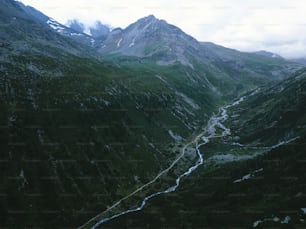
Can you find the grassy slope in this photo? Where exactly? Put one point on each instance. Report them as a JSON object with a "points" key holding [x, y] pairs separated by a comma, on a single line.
{"points": [[210, 198], [75, 129], [80, 130], [275, 114], [257, 68]]}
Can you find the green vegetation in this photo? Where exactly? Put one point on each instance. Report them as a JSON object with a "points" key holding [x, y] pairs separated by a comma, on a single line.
{"points": [[75, 142], [275, 114], [277, 190], [157, 48], [79, 131]]}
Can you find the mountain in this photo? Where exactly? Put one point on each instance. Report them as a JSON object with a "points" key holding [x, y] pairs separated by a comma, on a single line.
{"points": [[150, 36], [80, 36], [268, 54], [299, 60], [82, 128], [252, 178], [23, 32], [166, 44], [249, 64], [274, 114], [77, 131]]}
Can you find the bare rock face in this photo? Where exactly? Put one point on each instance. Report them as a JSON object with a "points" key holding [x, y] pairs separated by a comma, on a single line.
{"points": [[151, 37]]}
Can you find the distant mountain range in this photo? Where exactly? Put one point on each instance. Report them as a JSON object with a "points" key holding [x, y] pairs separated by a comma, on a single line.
{"points": [[268, 54], [87, 119], [300, 60]]}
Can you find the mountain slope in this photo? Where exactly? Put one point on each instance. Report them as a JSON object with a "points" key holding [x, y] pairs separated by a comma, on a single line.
{"points": [[249, 65], [150, 36], [78, 132], [228, 71], [275, 113], [253, 179], [167, 44], [265, 192], [58, 27], [268, 54], [23, 34]]}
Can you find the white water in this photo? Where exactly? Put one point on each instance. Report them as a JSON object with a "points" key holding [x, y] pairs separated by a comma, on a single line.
{"points": [[204, 137]]}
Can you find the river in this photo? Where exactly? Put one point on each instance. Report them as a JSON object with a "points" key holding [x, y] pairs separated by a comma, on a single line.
{"points": [[203, 138]]}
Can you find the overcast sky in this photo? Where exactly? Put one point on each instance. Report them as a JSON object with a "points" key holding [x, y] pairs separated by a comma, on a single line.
{"points": [[248, 25]]}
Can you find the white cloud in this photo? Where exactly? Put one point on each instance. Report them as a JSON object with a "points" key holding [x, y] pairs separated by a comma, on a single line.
{"points": [[273, 25]]}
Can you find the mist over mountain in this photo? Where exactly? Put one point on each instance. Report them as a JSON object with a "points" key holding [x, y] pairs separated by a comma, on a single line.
{"points": [[269, 54], [145, 127], [76, 25], [300, 60], [99, 30]]}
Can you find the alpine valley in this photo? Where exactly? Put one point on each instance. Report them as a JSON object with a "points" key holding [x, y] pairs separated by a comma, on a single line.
{"points": [[145, 127]]}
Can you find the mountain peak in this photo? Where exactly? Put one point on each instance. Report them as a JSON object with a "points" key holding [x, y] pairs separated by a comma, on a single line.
{"points": [[150, 17], [150, 36]]}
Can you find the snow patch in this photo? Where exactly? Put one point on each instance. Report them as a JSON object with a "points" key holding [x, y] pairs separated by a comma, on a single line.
{"points": [[286, 220], [30, 96], [189, 112], [255, 92], [273, 219], [237, 144], [40, 133], [11, 120], [225, 158], [256, 223], [161, 78], [132, 44], [92, 41], [55, 25], [75, 34], [248, 176], [106, 103], [119, 42], [23, 180], [188, 100], [136, 178], [174, 136]]}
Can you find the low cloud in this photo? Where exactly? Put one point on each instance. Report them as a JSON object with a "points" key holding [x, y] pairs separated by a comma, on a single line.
{"points": [[76, 25]]}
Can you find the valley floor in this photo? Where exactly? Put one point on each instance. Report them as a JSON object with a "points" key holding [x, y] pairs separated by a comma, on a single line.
{"points": [[232, 188], [214, 131]]}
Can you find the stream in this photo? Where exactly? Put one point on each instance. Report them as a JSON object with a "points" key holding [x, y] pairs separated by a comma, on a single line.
{"points": [[200, 140]]}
